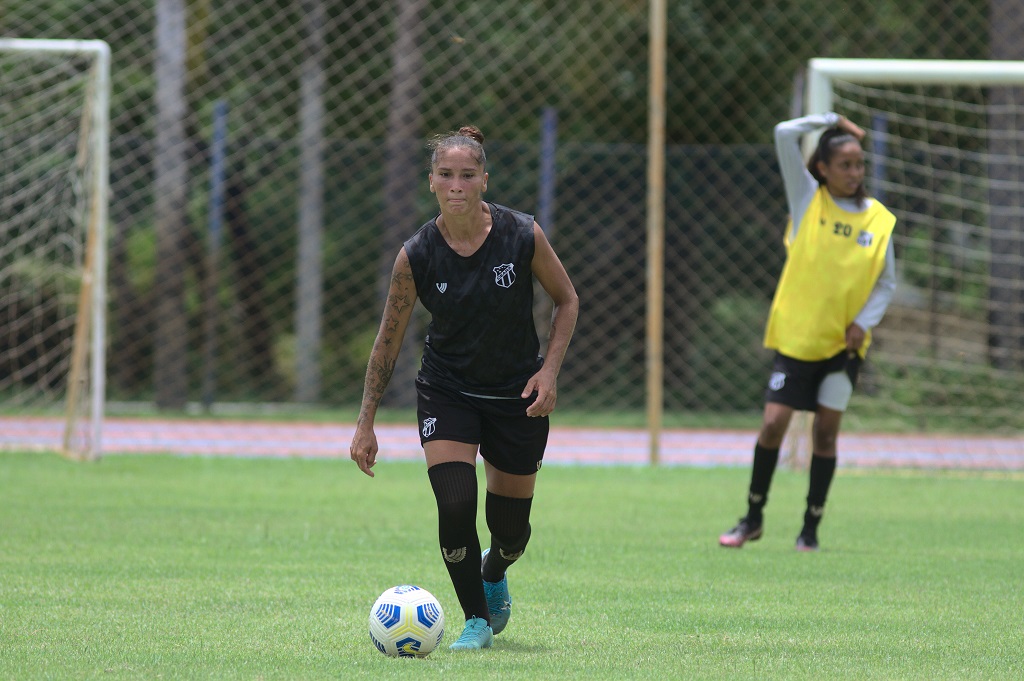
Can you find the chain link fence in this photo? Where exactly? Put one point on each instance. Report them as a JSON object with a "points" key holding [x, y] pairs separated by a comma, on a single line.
{"points": [[268, 159]]}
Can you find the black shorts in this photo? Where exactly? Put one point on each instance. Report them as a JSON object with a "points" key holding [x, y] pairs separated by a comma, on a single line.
{"points": [[509, 440], [799, 384]]}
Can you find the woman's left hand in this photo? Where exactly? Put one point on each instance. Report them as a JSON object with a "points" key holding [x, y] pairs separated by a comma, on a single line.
{"points": [[547, 394], [854, 337]]}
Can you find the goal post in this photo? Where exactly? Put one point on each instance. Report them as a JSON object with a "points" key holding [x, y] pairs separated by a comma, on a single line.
{"points": [[54, 137], [945, 153], [822, 72]]}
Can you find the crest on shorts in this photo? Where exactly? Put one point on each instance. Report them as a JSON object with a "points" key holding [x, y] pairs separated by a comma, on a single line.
{"points": [[505, 275], [428, 426], [777, 381]]}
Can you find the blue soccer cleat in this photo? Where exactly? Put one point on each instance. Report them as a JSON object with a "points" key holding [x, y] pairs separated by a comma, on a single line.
{"points": [[499, 602], [475, 636]]}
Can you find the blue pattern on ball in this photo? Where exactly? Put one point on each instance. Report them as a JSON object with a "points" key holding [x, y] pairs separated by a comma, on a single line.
{"points": [[389, 614]]}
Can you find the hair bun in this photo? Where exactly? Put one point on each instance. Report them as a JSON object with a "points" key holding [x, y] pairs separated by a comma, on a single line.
{"points": [[472, 132]]}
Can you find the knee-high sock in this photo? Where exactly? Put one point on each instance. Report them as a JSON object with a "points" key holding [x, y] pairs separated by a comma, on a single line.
{"points": [[765, 461], [823, 469], [455, 490], [508, 519]]}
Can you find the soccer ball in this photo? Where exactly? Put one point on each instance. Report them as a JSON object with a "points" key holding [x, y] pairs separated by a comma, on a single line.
{"points": [[406, 621]]}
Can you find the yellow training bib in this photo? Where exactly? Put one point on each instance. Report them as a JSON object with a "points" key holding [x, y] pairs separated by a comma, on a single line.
{"points": [[831, 267]]}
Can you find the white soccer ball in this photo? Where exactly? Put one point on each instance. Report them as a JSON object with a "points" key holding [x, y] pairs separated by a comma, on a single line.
{"points": [[406, 621]]}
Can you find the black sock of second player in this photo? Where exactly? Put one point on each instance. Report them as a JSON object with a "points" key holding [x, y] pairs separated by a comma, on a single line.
{"points": [[765, 461], [823, 469]]}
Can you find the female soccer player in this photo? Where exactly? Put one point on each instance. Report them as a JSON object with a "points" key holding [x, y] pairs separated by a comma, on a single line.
{"points": [[839, 277], [482, 385]]}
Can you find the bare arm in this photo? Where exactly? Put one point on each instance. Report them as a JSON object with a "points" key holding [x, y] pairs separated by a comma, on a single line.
{"points": [[552, 277], [383, 356]]}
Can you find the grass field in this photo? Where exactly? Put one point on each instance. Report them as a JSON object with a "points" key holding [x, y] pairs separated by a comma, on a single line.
{"points": [[184, 568]]}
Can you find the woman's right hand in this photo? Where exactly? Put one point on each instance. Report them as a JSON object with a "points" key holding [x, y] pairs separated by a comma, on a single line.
{"points": [[383, 356], [363, 449]]}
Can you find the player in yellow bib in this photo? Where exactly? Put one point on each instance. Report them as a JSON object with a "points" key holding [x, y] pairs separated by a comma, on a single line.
{"points": [[838, 280]]}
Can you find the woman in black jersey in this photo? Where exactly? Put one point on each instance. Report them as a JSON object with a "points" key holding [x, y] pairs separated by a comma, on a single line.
{"points": [[483, 385]]}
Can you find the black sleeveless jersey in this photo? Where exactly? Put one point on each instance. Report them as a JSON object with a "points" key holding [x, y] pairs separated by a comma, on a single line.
{"points": [[481, 337]]}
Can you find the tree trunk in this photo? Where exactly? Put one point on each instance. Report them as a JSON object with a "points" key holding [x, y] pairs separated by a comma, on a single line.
{"points": [[405, 168], [171, 173], [1006, 195], [308, 317]]}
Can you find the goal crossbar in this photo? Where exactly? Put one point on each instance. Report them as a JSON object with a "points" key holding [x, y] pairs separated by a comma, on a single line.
{"points": [[822, 71]]}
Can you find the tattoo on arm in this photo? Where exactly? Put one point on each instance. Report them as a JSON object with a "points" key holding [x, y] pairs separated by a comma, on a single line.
{"points": [[380, 375], [400, 281], [384, 355]]}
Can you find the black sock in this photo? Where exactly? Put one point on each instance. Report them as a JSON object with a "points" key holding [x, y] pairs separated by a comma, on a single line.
{"points": [[508, 519], [823, 469], [765, 461], [455, 490]]}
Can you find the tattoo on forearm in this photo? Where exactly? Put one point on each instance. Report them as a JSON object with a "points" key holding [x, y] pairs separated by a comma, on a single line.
{"points": [[383, 357], [377, 379]]}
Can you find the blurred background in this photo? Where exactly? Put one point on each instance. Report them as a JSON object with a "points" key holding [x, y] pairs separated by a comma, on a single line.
{"points": [[268, 159]]}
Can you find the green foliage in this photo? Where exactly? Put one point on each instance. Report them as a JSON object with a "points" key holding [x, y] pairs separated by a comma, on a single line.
{"points": [[140, 252], [184, 568], [727, 343], [949, 396], [731, 76], [731, 69], [933, 262]]}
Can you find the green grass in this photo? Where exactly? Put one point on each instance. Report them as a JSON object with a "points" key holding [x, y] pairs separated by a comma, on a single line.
{"points": [[184, 568]]}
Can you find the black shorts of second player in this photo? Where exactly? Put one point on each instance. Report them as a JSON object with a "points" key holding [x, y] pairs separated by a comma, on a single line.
{"points": [[797, 383], [509, 440]]}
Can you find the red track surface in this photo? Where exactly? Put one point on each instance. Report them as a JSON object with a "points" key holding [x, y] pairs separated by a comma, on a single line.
{"points": [[566, 445]]}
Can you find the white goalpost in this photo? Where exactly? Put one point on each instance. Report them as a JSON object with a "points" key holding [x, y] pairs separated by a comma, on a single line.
{"points": [[945, 152], [823, 73], [54, 193], [945, 142]]}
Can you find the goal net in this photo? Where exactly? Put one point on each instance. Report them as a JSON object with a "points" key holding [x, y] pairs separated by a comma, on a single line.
{"points": [[945, 152], [53, 213]]}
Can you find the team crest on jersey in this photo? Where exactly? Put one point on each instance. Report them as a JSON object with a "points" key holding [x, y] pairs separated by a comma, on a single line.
{"points": [[865, 238], [428, 426], [777, 381], [441, 286], [505, 275]]}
